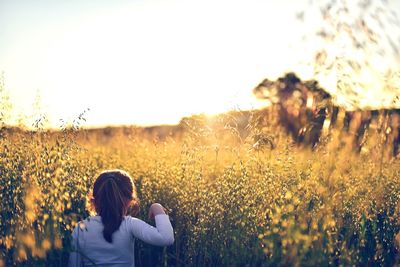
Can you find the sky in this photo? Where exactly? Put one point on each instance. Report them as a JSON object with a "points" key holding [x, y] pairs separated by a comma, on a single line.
{"points": [[143, 62]]}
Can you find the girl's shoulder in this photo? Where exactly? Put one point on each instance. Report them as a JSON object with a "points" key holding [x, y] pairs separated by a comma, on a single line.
{"points": [[131, 221], [83, 224], [129, 218], [91, 220], [138, 222]]}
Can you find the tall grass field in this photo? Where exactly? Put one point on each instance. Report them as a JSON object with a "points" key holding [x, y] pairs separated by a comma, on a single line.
{"points": [[236, 197]]}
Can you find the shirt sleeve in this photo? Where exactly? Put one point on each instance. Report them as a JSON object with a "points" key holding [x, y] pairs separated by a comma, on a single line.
{"points": [[161, 235], [75, 259]]}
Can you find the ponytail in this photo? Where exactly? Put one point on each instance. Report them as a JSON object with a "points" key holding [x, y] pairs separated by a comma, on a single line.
{"points": [[112, 191]]}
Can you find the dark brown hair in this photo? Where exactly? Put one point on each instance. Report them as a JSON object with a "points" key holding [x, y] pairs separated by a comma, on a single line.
{"points": [[113, 194]]}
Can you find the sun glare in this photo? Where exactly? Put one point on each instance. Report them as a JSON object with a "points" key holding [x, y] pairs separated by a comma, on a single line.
{"points": [[152, 62], [139, 63]]}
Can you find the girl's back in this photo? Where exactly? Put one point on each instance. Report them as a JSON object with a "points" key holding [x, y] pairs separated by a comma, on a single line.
{"points": [[94, 250], [107, 239]]}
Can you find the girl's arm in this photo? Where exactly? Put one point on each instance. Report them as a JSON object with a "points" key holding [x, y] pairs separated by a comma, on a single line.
{"points": [[161, 235], [75, 259]]}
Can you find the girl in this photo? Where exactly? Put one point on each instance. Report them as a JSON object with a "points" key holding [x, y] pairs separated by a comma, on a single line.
{"points": [[107, 239]]}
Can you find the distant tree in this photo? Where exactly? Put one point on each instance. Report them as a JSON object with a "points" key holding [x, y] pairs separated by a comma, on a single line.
{"points": [[301, 106]]}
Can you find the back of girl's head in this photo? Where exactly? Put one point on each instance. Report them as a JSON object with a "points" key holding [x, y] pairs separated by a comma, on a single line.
{"points": [[113, 193]]}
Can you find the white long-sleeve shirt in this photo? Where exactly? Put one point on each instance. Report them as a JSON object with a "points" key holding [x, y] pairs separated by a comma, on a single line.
{"points": [[94, 250]]}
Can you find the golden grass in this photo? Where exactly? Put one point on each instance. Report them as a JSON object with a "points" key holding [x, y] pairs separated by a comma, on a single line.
{"points": [[232, 202]]}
